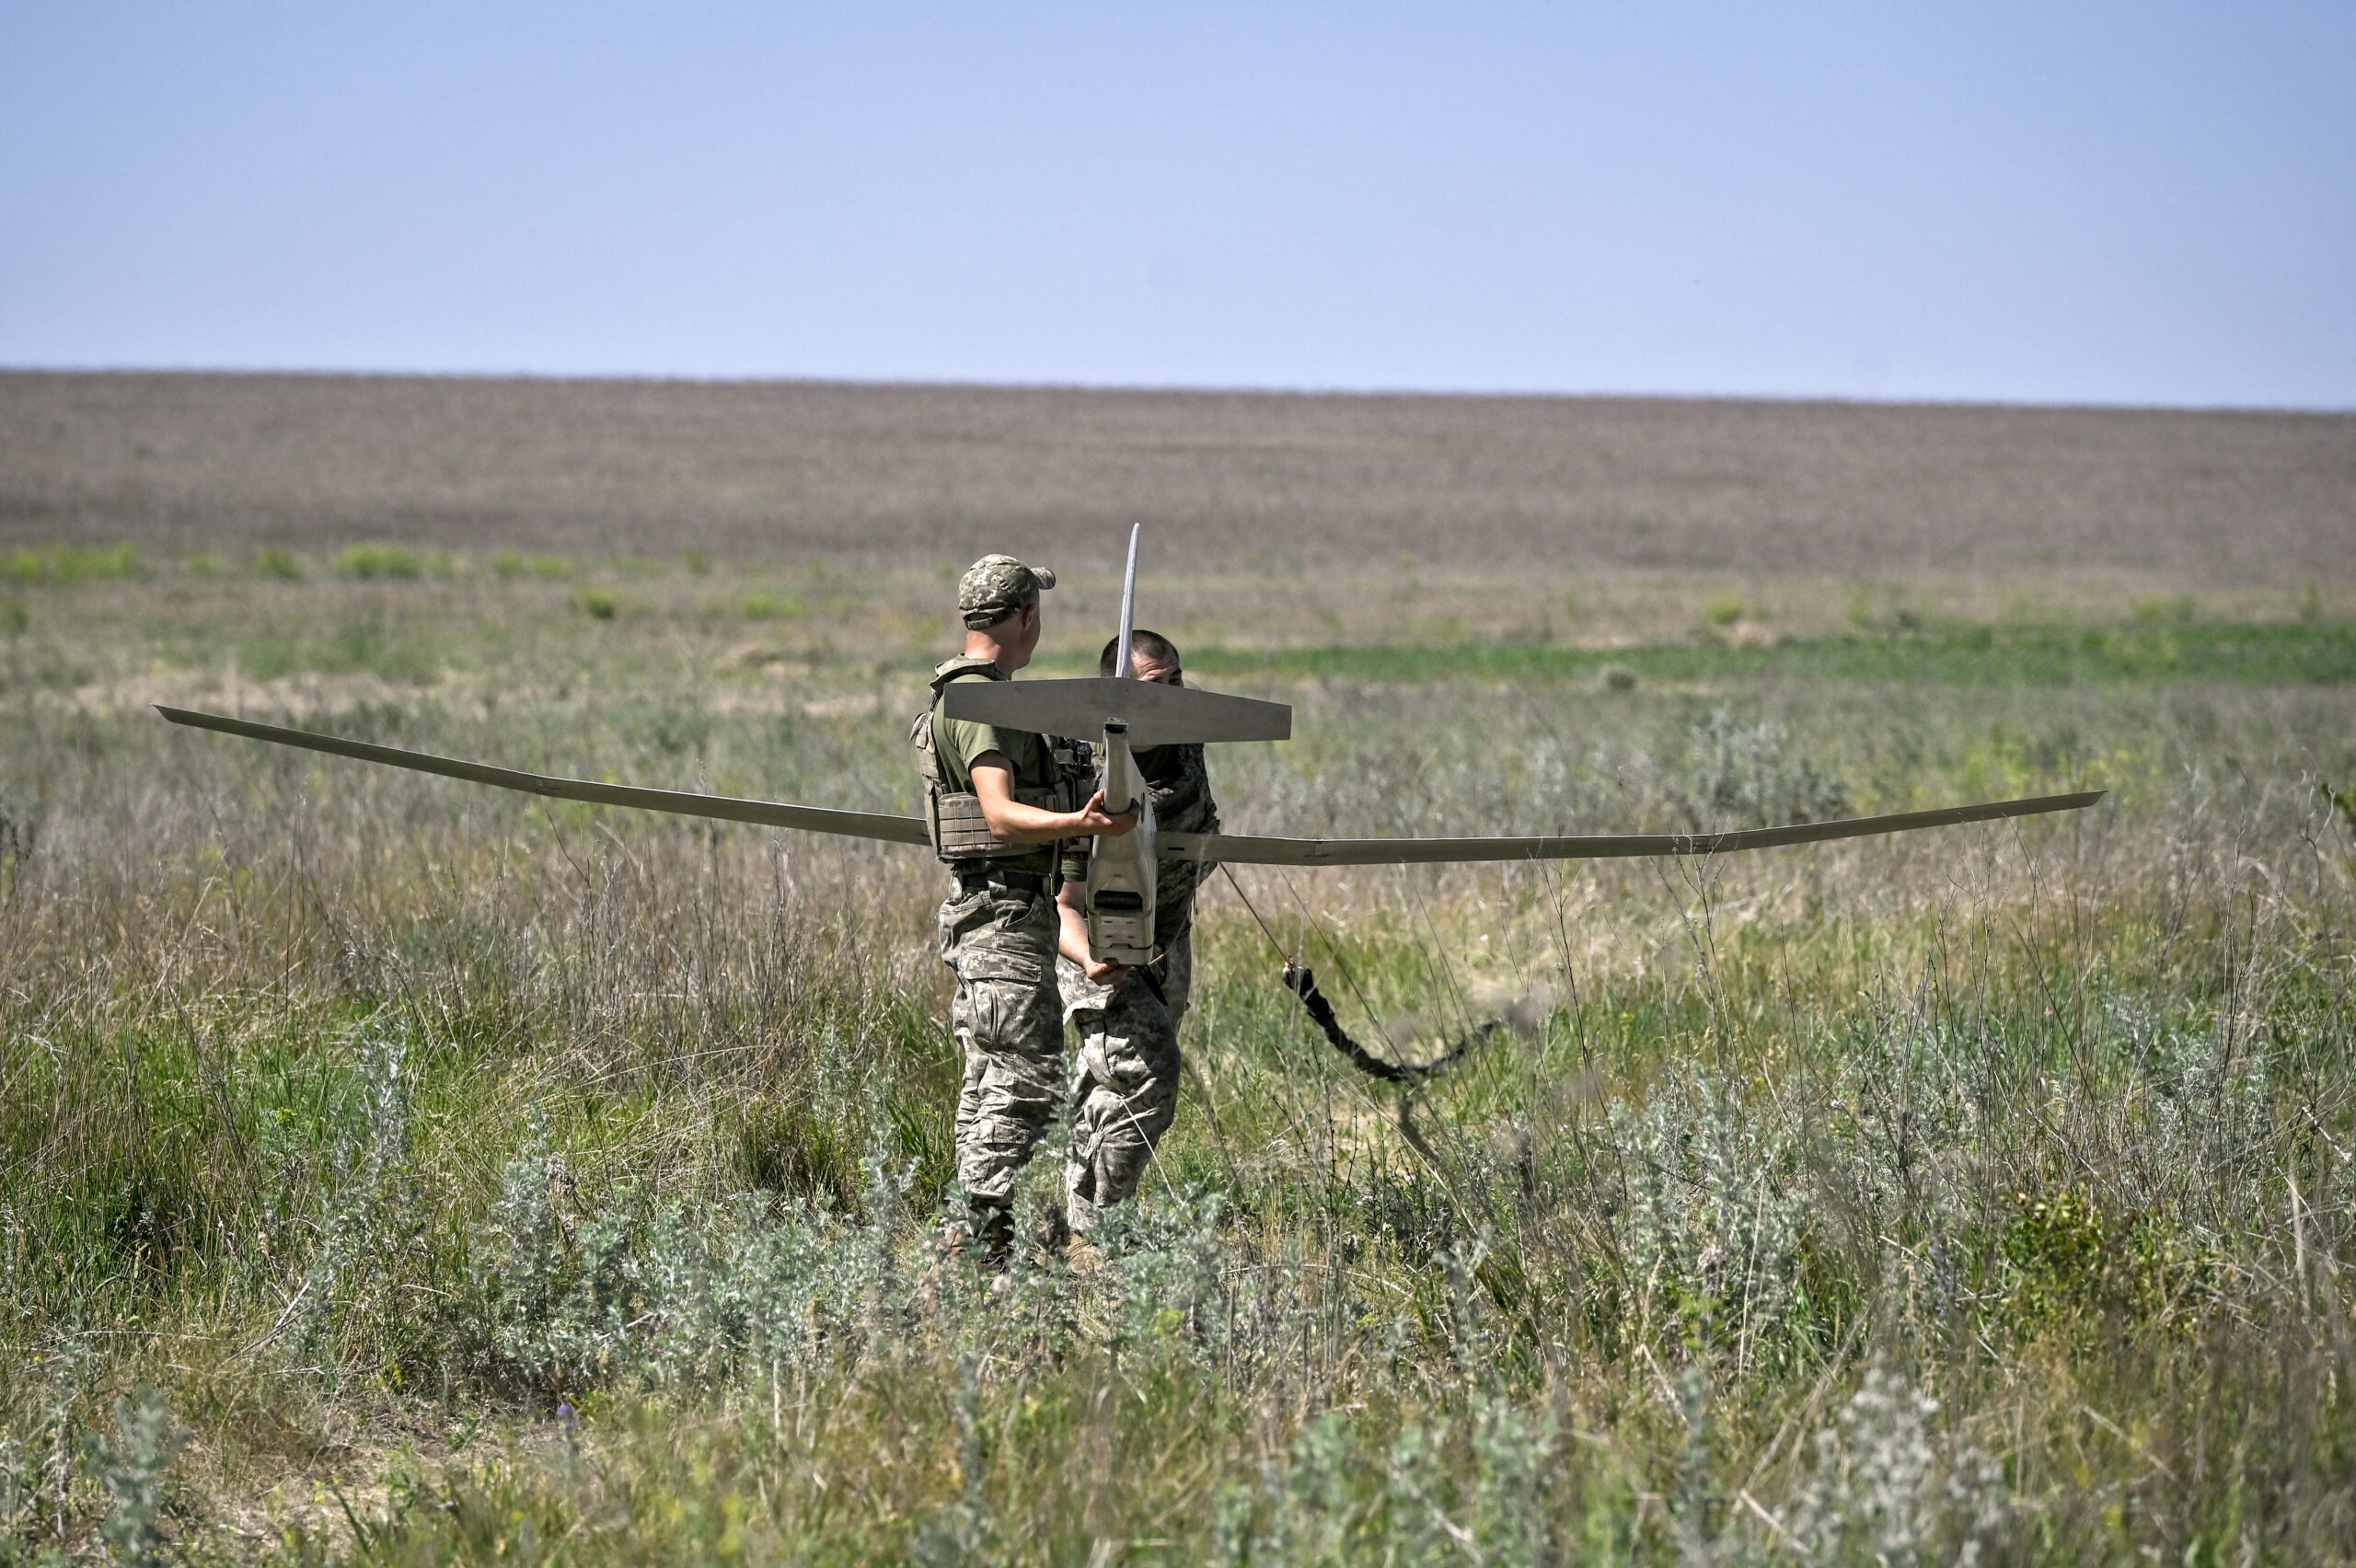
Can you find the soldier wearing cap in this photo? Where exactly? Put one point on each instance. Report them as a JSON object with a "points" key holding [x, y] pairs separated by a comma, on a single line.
{"points": [[997, 802]]}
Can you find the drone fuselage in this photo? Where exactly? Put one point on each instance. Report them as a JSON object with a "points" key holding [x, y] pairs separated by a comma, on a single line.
{"points": [[1121, 870]]}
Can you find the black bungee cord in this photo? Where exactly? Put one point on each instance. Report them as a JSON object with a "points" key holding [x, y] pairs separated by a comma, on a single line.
{"points": [[1301, 981]]}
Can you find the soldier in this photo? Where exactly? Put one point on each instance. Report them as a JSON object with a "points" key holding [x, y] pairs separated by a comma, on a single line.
{"points": [[1128, 1019], [997, 802]]}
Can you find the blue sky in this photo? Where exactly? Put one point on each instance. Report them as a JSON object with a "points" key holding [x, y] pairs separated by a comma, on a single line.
{"points": [[2129, 203]]}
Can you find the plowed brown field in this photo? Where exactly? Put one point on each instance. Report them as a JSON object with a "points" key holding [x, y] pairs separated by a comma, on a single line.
{"points": [[867, 473]]}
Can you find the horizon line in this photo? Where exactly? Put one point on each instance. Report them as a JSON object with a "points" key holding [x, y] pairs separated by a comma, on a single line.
{"points": [[1142, 388]]}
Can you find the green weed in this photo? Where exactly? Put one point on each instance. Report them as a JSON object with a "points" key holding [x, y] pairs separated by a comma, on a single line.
{"points": [[511, 564], [371, 563], [774, 606], [69, 563]]}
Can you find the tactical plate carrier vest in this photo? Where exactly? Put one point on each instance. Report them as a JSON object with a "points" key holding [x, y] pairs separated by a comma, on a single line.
{"points": [[952, 818]]}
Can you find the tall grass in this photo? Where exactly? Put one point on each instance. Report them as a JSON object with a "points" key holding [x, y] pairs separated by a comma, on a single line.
{"points": [[462, 1176]]}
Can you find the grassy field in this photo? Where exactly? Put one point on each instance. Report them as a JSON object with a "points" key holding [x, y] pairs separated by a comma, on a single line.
{"points": [[402, 1172]]}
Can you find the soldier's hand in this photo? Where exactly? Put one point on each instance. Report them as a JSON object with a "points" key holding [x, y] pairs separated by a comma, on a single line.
{"points": [[1106, 973], [1094, 821]]}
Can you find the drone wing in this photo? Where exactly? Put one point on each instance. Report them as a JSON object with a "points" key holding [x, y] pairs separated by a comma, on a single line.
{"points": [[1235, 850], [1230, 848], [768, 813], [1156, 715]]}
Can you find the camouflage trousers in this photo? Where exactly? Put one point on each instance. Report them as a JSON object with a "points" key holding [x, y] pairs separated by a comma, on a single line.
{"points": [[1000, 943], [1008, 1019], [1128, 1076]]}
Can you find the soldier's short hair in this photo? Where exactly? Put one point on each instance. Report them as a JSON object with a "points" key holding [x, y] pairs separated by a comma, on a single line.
{"points": [[1143, 644]]}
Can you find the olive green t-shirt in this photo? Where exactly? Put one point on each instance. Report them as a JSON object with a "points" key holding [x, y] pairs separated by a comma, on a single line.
{"points": [[957, 742]]}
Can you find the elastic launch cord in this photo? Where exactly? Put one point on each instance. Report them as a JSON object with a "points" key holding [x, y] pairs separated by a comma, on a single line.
{"points": [[1302, 983]]}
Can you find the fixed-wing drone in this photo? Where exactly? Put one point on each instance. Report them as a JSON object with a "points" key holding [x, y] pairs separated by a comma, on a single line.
{"points": [[1129, 713]]}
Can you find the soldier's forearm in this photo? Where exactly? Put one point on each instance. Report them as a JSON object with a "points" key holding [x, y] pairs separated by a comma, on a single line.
{"points": [[1011, 822], [1071, 938]]}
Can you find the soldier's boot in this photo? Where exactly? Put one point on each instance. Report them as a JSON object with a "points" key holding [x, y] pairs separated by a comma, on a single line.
{"points": [[993, 1233], [1055, 1232]]}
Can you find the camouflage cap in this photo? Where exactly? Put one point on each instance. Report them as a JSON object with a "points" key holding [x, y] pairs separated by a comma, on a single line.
{"points": [[998, 586]]}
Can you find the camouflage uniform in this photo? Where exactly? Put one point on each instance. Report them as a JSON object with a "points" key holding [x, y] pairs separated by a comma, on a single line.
{"points": [[999, 927], [1128, 1033]]}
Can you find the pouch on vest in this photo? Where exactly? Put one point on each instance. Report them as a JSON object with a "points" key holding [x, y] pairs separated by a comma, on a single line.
{"points": [[952, 818]]}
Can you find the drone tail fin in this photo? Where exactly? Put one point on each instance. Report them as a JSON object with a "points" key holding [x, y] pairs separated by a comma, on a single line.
{"points": [[1123, 664]]}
